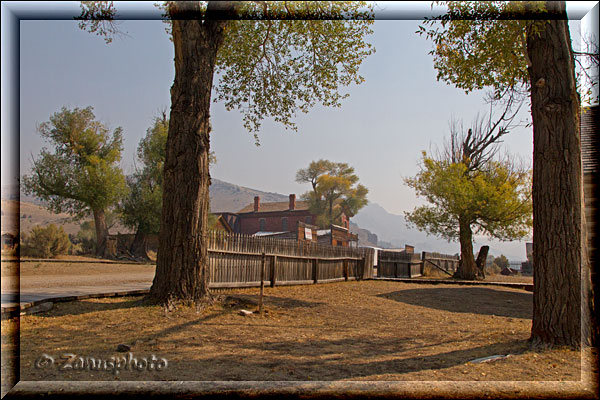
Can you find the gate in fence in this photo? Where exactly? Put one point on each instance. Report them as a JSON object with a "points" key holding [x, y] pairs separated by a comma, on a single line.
{"points": [[445, 262]]}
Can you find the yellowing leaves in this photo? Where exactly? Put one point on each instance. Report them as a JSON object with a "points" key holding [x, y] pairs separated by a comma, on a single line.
{"points": [[496, 200]]}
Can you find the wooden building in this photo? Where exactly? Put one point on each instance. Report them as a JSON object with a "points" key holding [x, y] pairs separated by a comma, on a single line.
{"points": [[222, 224], [337, 236], [9, 241]]}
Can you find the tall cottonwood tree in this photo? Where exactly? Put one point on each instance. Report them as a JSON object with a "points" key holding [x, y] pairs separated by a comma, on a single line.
{"points": [[82, 175], [335, 191], [478, 45], [284, 56]]}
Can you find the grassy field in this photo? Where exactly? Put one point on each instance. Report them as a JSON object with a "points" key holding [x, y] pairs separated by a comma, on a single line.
{"points": [[353, 331]]}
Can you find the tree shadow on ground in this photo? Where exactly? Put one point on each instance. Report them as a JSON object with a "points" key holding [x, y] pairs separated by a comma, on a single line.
{"points": [[279, 302], [475, 300], [339, 359], [78, 307]]}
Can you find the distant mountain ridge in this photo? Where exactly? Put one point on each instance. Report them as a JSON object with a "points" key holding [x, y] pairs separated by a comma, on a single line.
{"points": [[225, 196], [393, 228]]}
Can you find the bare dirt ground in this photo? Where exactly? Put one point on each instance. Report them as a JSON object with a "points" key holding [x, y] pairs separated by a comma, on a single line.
{"points": [[351, 331], [58, 274]]}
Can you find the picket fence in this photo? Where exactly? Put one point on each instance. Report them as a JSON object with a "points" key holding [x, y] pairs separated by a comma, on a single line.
{"points": [[236, 260]]}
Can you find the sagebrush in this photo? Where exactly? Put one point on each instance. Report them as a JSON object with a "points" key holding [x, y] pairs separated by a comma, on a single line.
{"points": [[45, 242]]}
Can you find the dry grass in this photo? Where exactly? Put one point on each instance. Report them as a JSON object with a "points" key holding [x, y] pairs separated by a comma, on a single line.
{"points": [[370, 330], [434, 273]]}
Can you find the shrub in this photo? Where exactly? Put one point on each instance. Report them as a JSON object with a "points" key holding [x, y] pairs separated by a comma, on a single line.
{"points": [[493, 269], [45, 242]]}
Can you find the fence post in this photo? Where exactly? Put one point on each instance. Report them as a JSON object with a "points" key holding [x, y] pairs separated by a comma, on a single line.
{"points": [[423, 259], [262, 284], [315, 270], [273, 270], [395, 269], [346, 270], [409, 269]]}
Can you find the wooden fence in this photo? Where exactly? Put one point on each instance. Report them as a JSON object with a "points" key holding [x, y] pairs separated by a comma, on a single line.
{"points": [[446, 262], [396, 264], [236, 260]]}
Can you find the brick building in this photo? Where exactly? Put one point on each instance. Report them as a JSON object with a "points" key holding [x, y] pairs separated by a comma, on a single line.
{"points": [[282, 216]]}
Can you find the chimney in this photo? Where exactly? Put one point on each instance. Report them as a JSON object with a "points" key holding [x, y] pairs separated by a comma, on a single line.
{"points": [[256, 203], [292, 201]]}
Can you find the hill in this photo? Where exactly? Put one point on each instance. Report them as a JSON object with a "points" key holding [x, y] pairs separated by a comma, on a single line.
{"points": [[30, 215], [226, 196]]}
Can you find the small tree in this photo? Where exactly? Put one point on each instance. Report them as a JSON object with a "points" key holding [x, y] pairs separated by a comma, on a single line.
{"points": [[471, 192], [82, 175], [45, 242], [336, 191], [501, 261], [141, 209]]}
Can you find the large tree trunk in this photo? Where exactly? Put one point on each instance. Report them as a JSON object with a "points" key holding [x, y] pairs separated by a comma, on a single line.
{"points": [[101, 232], [181, 267], [467, 268], [557, 202]]}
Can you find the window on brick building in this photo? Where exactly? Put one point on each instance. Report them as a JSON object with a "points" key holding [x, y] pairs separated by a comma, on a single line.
{"points": [[308, 220], [284, 224], [262, 224]]}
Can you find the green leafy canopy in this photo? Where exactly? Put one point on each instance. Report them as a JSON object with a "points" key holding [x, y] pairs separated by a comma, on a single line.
{"points": [[141, 209], [496, 201], [270, 68], [336, 191], [82, 174], [278, 57], [482, 44]]}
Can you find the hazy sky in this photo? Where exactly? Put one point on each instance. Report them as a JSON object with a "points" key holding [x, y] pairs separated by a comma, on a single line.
{"points": [[380, 129]]}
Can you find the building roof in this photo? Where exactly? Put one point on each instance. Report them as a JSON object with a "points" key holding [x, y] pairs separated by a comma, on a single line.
{"points": [[589, 139], [275, 206], [265, 233]]}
